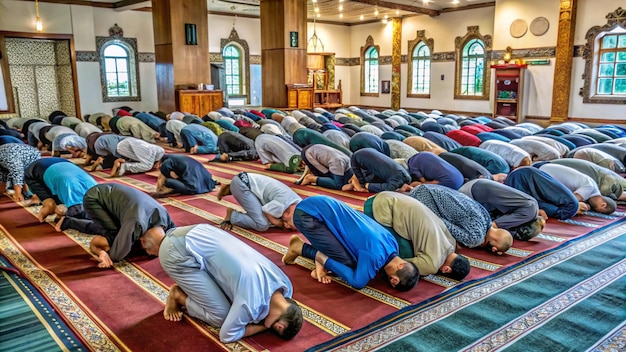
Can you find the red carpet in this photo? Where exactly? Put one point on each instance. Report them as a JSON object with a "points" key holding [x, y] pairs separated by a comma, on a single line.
{"points": [[123, 307]]}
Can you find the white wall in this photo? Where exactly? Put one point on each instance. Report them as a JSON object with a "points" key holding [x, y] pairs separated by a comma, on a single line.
{"points": [[443, 30], [248, 29]]}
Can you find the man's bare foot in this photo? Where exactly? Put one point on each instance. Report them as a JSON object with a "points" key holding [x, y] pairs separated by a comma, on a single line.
{"points": [[173, 311], [115, 170], [194, 149], [60, 210], [308, 179], [543, 214], [58, 227], [347, 187], [226, 224], [294, 250], [46, 209], [320, 274], [405, 188], [224, 191]]}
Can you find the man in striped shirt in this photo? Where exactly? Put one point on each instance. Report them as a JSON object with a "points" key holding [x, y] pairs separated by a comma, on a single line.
{"points": [[137, 156]]}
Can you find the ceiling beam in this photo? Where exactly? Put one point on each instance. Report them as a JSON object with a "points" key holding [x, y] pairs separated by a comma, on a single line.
{"points": [[78, 2], [468, 7], [131, 4], [391, 5]]}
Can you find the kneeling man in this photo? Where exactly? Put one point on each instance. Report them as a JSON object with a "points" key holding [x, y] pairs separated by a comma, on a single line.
{"points": [[224, 282]]}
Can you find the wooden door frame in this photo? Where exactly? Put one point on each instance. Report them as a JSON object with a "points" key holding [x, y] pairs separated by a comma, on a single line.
{"points": [[4, 61]]}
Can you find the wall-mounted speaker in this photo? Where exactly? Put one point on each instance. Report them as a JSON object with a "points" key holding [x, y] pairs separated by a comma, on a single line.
{"points": [[191, 34]]}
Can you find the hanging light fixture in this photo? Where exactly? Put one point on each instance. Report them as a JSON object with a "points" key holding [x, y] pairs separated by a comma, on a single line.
{"points": [[38, 24]]}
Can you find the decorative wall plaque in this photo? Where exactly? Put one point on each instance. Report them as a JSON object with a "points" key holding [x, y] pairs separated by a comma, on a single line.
{"points": [[539, 26], [519, 27]]}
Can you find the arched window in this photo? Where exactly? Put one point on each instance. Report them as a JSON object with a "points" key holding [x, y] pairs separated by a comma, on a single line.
{"points": [[611, 63], [119, 66], [472, 68], [233, 67], [117, 69], [605, 61], [472, 75], [370, 71], [420, 69]]}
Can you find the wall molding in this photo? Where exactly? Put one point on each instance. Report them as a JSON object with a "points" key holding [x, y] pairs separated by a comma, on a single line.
{"points": [[450, 56], [92, 56], [545, 120]]}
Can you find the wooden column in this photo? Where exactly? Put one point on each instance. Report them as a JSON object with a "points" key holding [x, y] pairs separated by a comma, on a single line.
{"points": [[178, 65], [281, 63], [563, 64], [396, 60]]}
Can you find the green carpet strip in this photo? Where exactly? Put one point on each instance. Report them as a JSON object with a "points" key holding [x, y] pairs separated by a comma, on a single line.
{"points": [[597, 297], [548, 311], [27, 322]]}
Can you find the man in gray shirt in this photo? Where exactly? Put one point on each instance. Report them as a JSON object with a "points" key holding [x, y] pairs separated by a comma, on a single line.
{"points": [[263, 198], [118, 215], [509, 208]]}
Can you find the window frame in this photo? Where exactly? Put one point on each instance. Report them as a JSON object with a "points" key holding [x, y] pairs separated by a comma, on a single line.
{"points": [[239, 75], [472, 36], [130, 46], [413, 45], [244, 64], [365, 51], [592, 54], [116, 64]]}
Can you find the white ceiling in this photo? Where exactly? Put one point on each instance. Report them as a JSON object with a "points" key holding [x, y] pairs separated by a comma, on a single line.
{"points": [[328, 10]]}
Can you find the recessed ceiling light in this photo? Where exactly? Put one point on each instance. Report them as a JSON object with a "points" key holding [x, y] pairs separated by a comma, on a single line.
{"points": [[376, 12], [318, 15], [340, 7], [317, 9], [361, 17], [384, 20], [397, 12], [455, 2], [341, 15]]}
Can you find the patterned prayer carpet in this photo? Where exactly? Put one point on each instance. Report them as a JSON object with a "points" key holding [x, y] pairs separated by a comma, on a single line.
{"points": [[27, 321], [121, 309]]}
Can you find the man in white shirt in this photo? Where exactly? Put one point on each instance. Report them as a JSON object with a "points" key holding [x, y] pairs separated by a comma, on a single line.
{"points": [[584, 187], [263, 198], [224, 282]]}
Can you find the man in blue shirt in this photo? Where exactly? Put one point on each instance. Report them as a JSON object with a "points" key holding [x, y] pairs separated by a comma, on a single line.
{"points": [[345, 242], [224, 282], [426, 167], [58, 181]]}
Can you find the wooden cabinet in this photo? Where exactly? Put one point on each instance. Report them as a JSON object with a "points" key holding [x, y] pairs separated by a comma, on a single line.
{"points": [[327, 99], [299, 96], [199, 102], [321, 68], [508, 91]]}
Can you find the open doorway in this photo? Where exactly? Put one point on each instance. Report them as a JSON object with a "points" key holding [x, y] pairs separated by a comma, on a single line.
{"points": [[39, 74]]}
